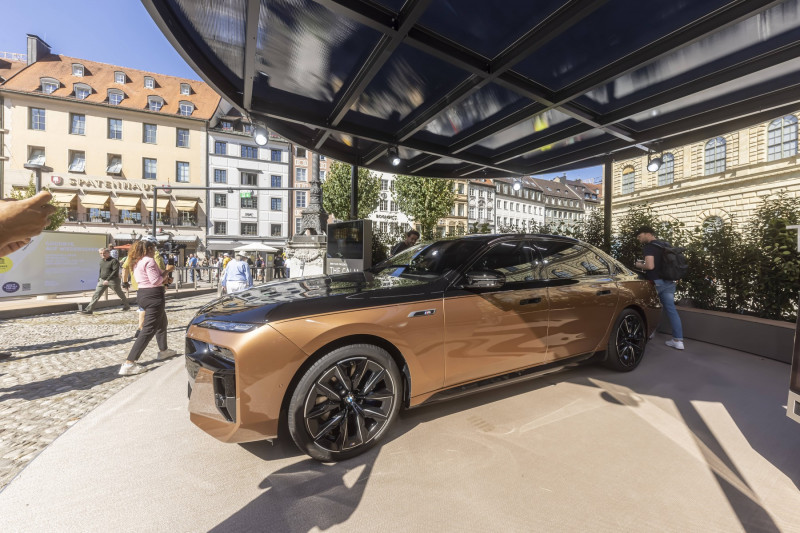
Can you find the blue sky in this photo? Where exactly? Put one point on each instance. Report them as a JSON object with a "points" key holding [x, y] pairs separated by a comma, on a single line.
{"points": [[119, 32]]}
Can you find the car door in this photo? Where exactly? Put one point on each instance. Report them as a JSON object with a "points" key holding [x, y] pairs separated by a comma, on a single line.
{"points": [[583, 297], [494, 331]]}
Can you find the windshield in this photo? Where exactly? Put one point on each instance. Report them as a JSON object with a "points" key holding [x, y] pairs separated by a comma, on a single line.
{"points": [[428, 261]]}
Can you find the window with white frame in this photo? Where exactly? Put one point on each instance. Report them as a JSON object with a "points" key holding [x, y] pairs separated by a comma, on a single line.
{"points": [[150, 168], [36, 119], [120, 77], [384, 205], [149, 82], [81, 91], [275, 230], [182, 140], [298, 225], [275, 204], [276, 181], [150, 133], [300, 199], [249, 152], [220, 175], [49, 85], [186, 108], [666, 172], [77, 124], [220, 200], [225, 125], [248, 202], [115, 96], [77, 161], [322, 175], [782, 138], [276, 155], [384, 185], [155, 103], [472, 212], [114, 164], [77, 70], [36, 155], [715, 156], [249, 228], [182, 173], [628, 180], [220, 148], [249, 178], [220, 228], [115, 128], [186, 88], [301, 174]]}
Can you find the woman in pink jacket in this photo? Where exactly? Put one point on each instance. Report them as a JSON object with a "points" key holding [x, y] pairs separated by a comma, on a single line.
{"points": [[150, 297]]}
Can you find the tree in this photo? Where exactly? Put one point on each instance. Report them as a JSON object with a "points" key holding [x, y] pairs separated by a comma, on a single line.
{"points": [[425, 200], [58, 218], [336, 191]]}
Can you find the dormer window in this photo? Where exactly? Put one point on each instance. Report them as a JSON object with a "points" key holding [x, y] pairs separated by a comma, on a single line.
{"points": [[149, 83], [77, 70], [186, 88], [120, 77], [49, 85], [247, 128], [154, 103], [186, 109], [115, 96], [227, 126], [81, 91]]}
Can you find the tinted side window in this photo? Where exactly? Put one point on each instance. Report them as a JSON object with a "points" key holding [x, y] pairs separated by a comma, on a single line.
{"points": [[517, 260], [563, 260]]}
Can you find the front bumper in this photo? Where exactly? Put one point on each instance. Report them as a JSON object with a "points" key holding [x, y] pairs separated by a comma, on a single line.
{"points": [[239, 400]]}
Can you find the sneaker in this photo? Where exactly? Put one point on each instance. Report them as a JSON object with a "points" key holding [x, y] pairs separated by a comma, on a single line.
{"points": [[129, 369], [165, 354], [672, 343]]}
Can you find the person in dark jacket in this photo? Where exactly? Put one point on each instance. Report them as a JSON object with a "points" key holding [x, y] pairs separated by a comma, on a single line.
{"points": [[109, 278], [411, 239]]}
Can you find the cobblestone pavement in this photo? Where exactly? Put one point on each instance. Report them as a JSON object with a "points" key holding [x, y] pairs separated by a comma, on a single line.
{"points": [[63, 365]]}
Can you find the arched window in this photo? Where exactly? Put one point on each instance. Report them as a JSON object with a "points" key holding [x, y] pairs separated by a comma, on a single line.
{"points": [[628, 179], [782, 138], [666, 174], [712, 224], [715, 156]]}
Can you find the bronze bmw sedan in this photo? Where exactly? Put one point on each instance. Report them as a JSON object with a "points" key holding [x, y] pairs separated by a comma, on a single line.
{"points": [[334, 358]]}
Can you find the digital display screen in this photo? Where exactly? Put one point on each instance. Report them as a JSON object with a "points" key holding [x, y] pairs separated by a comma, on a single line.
{"points": [[346, 240]]}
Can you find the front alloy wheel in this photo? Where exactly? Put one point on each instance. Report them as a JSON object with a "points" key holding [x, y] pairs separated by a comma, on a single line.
{"points": [[345, 402], [627, 342]]}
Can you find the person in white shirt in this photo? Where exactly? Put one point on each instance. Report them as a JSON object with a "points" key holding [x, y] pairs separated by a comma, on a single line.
{"points": [[237, 275]]}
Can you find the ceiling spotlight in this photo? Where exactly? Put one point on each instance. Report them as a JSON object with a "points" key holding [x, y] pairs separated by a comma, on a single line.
{"points": [[654, 164], [517, 185], [394, 158], [260, 135]]}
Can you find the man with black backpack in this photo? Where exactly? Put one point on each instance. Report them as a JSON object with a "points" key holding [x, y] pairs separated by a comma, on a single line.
{"points": [[664, 265]]}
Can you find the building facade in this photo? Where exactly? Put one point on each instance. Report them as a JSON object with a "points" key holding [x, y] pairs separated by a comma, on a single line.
{"points": [[102, 137], [302, 168], [480, 205], [519, 210], [722, 179], [563, 206], [239, 217]]}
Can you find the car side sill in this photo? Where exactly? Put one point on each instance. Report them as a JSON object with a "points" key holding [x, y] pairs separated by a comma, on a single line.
{"points": [[505, 379]]}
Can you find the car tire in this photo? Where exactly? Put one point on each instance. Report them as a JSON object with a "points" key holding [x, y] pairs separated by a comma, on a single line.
{"points": [[345, 402], [627, 342]]}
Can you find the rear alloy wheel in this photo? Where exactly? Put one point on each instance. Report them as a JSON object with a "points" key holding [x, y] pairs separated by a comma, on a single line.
{"points": [[345, 402], [627, 342]]}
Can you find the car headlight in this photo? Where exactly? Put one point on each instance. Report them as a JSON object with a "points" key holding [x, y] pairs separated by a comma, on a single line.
{"points": [[236, 327]]}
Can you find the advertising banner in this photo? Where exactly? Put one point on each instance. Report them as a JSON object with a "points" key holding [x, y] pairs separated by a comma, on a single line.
{"points": [[53, 262]]}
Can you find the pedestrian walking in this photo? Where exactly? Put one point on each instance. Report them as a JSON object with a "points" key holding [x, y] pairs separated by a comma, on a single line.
{"points": [[651, 264], [109, 278], [236, 276], [259, 268], [192, 264], [150, 280], [129, 280], [410, 240], [277, 265]]}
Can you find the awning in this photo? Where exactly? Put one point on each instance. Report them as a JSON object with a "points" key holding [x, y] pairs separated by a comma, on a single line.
{"points": [[95, 201], [127, 202], [185, 205], [162, 205], [63, 199], [185, 238], [222, 245]]}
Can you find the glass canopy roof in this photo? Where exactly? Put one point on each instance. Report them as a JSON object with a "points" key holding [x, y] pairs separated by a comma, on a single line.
{"points": [[477, 89]]}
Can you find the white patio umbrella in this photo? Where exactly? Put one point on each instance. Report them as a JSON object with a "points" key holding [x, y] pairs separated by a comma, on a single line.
{"points": [[256, 247]]}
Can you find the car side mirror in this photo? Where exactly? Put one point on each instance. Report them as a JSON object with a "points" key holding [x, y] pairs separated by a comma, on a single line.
{"points": [[484, 279]]}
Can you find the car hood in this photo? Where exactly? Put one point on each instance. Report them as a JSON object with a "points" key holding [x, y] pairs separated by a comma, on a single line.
{"points": [[279, 300]]}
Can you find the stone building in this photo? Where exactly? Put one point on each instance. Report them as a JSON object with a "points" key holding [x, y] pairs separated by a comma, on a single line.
{"points": [[722, 179], [302, 175], [562, 204], [480, 210], [518, 210], [103, 137]]}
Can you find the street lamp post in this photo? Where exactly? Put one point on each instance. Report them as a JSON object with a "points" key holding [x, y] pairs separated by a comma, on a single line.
{"points": [[37, 169]]}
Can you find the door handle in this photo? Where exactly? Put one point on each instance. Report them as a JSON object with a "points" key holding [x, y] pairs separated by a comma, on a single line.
{"points": [[530, 301], [604, 291], [426, 312]]}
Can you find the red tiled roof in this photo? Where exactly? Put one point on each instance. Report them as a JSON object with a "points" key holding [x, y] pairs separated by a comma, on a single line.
{"points": [[9, 67], [100, 77]]}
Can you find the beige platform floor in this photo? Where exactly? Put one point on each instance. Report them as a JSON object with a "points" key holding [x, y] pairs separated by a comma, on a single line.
{"points": [[691, 441]]}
